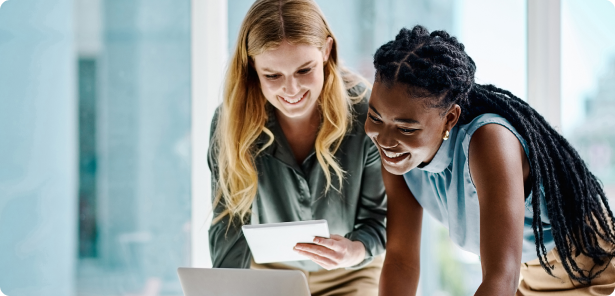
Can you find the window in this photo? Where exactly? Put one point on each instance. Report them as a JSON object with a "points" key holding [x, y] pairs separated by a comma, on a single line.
{"points": [[588, 88], [134, 146]]}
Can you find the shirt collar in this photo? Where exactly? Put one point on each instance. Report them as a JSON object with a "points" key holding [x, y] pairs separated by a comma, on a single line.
{"points": [[444, 156]]}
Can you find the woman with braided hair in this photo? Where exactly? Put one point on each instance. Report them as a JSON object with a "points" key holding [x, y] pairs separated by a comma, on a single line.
{"points": [[490, 168]]}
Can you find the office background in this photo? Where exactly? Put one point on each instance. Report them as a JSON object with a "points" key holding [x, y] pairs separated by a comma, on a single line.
{"points": [[105, 108]]}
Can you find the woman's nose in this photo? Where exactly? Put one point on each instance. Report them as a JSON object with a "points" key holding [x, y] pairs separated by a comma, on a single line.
{"points": [[291, 86], [387, 143]]}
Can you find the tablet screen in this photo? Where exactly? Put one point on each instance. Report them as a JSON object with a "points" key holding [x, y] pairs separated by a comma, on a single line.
{"points": [[274, 242]]}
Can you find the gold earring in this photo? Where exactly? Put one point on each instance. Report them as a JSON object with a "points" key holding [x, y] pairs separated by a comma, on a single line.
{"points": [[446, 136]]}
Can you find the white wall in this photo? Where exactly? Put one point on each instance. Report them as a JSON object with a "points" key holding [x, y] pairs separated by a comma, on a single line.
{"points": [[209, 61]]}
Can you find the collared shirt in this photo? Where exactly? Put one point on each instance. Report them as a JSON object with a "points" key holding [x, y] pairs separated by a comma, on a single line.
{"points": [[445, 189], [289, 191]]}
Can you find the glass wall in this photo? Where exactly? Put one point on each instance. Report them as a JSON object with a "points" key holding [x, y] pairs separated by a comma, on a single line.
{"points": [[588, 85], [133, 65], [494, 33], [94, 147], [38, 180]]}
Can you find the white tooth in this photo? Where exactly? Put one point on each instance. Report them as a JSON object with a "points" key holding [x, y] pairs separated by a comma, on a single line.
{"points": [[392, 155], [293, 101]]}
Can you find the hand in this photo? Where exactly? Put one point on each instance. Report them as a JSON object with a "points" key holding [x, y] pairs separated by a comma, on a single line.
{"points": [[334, 252]]}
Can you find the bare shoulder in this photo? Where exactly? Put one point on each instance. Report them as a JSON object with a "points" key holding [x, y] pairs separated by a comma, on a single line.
{"points": [[494, 139], [495, 152], [494, 134]]}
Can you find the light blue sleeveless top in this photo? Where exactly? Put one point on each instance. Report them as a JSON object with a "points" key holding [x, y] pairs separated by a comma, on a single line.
{"points": [[445, 190]]}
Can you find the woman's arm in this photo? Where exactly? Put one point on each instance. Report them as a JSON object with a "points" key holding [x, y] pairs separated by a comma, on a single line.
{"points": [[228, 248], [400, 273], [496, 160]]}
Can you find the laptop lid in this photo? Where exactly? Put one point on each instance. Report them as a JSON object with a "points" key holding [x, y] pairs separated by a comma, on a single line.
{"points": [[240, 282]]}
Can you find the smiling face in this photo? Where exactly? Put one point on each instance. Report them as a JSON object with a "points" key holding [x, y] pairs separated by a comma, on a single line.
{"points": [[406, 130], [291, 77]]}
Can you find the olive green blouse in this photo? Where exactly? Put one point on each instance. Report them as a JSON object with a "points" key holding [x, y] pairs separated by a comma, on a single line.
{"points": [[289, 191]]}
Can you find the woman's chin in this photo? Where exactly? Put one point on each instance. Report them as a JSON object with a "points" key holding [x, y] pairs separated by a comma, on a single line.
{"points": [[398, 165], [396, 169]]}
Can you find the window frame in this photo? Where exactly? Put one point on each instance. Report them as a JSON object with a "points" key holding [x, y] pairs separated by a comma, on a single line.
{"points": [[209, 30]]}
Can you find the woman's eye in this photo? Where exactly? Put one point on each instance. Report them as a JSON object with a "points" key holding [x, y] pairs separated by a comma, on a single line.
{"points": [[273, 76], [373, 118], [304, 71], [407, 130]]}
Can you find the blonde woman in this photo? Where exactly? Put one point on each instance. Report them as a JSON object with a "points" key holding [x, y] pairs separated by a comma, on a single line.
{"points": [[288, 145]]}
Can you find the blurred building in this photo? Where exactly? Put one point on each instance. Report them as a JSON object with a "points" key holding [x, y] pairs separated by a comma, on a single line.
{"points": [[594, 138]]}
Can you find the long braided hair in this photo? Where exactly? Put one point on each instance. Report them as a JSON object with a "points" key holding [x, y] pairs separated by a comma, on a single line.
{"points": [[435, 67]]}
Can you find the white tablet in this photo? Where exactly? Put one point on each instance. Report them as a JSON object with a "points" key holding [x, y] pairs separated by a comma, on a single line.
{"points": [[274, 242]]}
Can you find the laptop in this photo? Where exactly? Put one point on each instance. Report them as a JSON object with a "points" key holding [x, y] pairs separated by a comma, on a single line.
{"points": [[240, 282]]}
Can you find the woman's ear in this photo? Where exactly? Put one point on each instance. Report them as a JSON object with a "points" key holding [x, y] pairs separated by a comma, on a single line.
{"points": [[327, 49], [452, 116]]}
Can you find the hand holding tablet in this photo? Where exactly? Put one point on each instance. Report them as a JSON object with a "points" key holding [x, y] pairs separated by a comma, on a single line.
{"points": [[334, 252]]}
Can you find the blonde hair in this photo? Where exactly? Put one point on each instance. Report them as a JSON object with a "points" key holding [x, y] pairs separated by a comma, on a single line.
{"points": [[243, 114]]}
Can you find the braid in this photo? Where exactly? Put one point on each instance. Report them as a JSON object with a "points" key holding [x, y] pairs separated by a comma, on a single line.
{"points": [[435, 66]]}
